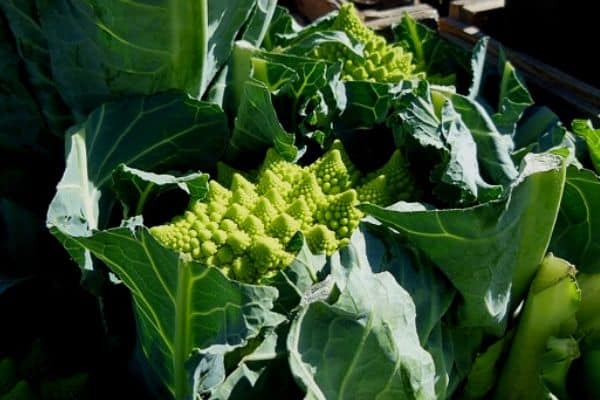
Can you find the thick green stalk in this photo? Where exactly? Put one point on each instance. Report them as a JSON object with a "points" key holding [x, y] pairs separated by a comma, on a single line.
{"points": [[549, 311], [588, 315], [588, 319]]}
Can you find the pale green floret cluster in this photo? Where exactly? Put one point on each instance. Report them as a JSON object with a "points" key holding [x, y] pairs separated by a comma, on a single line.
{"points": [[246, 230], [381, 62]]}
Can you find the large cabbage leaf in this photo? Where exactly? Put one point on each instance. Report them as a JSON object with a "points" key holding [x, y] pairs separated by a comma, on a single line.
{"points": [[491, 251]]}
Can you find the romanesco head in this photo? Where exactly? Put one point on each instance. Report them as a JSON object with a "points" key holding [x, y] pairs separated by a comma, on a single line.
{"points": [[273, 162], [243, 269], [283, 227], [308, 188], [269, 181], [331, 173], [217, 193], [245, 230], [300, 211], [267, 253], [399, 181], [253, 225], [339, 213], [381, 62], [237, 213], [375, 191], [243, 192], [350, 167], [276, 198], [239, 242], [321, 239], [264, 210]]}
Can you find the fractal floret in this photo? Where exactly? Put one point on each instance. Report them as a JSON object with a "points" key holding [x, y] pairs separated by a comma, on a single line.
{"points": [[246, 230], [381, 62]]}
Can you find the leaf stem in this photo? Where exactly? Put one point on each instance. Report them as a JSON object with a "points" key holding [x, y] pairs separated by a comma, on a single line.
{"points": [[142, 200], [203, 45], [182, 339]]}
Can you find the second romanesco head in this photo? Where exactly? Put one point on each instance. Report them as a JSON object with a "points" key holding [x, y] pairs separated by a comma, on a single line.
{"points": [[381, 62]]}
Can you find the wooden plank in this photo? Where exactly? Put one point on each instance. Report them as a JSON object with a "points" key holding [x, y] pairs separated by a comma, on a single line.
{"points": [[580, 95], [380, 19], [455, 7], [474, 12], [389, 12], [313, 9]]}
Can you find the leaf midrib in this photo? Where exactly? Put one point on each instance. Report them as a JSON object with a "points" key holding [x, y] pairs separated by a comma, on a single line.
{"points": [[357, 354], [182, 329]]}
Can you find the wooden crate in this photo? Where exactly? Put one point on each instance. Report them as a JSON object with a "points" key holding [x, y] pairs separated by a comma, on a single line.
{"points": [[466, 23], [379, 14], [475, 11]]}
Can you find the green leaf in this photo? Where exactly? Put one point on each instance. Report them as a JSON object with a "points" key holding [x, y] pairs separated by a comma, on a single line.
{"points": [[258, 24], [588, 326], [417, 111], [541, 130], [588, 320], [226, 19], [20, 121], [430, 291], [135, 188], [556, 362], [32, 46], [493, 148], [483, 375], [306, 43], [478, 70], [585, 129], [439, 59], [513, 98], [8, 373], [310, 89], [386, 251], [285, 31], [257, 127], [456, 147], [159, 133], [539, 124], [577, 233], [282, 25], [364, 345], [176, 304], [263, 373], [97, 54], [206, 371], [297, 279], [463, 164], [367, 104], [21, 391], [491, 251], [241, 382]]}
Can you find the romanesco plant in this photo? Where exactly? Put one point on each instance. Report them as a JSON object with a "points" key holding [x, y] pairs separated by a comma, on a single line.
{"points": [[381, 62], [246, 230]]}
